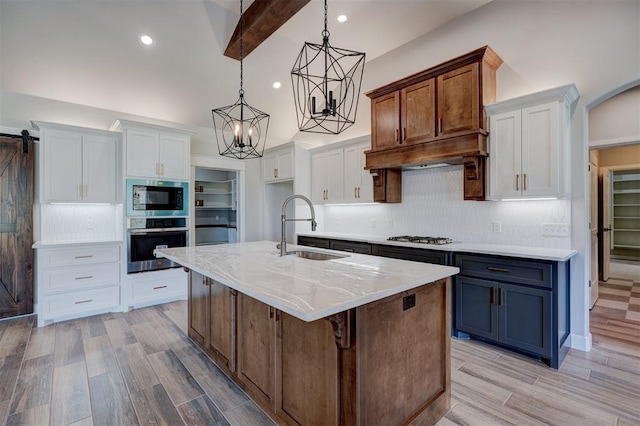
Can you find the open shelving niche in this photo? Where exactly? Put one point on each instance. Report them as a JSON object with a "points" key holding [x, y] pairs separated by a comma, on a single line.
{"points": [[626, 210], [215, 206]]}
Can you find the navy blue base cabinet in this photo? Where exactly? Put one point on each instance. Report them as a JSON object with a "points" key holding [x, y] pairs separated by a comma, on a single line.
{"points": [[518, 304]]}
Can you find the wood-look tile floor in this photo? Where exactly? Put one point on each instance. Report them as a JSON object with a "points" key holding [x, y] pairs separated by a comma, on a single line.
{"points": [[140, 368]]}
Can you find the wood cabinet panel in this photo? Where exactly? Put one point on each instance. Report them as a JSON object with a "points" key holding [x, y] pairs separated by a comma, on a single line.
{"points": [[222, 319], [395, 363], [459, 101], [385, 121], [256, 348], [309, 364], [198, 298], [418, 112]]}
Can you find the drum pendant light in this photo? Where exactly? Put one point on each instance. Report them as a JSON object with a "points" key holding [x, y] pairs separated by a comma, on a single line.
{"points": [[326, 85], [241, 130]]}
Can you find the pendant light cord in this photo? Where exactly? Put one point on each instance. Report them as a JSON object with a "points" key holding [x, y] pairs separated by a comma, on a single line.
{"points": [[241, 34]]}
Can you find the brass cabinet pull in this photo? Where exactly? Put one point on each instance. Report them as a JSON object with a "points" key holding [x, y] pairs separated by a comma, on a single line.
{"points": [[84, 301], [492, 300], [492, 268], [159, 287], [397, 135], [84, 256], [84, 278], [358, 192], [524, 182], [79, 191], [517, 182], [501, 297], [355, 192], [270, 311], [440, 125], [85, 190], [404, 133], [327, 195], [276, 172]]}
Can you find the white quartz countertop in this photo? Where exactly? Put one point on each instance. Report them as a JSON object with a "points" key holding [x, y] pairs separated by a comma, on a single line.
{"points": [[74, 243], [526, 252], [307, 289]]}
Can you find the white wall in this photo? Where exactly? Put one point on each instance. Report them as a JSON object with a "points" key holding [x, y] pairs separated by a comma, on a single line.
{"points": [[616, 120]]}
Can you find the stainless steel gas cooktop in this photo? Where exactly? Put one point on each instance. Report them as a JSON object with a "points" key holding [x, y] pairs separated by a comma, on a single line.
{"points": [[421, 240]]}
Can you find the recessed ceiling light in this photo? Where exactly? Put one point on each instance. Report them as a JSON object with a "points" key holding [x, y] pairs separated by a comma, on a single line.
{"points": [[146, 40], [341, 18], [277, 85]]}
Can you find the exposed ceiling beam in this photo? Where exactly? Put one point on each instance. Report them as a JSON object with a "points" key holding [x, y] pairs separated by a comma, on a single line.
{"points": [[261, 20]]}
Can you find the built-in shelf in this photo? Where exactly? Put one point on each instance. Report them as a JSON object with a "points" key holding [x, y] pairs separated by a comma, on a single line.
{"points": [[626, 210], [215, 209]]}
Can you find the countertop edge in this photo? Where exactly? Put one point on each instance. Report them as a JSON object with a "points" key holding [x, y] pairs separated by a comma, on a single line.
{"points": [[522, 252], [64, 244]]}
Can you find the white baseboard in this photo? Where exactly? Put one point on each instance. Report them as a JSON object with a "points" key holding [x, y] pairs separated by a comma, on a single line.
{"points": [[582, 343]]}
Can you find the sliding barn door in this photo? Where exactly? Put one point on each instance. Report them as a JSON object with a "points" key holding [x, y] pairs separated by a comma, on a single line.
{"points": [[16, 231]]}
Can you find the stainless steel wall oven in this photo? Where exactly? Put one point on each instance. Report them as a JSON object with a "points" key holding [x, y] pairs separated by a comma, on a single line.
{"points": [[144, 235]]}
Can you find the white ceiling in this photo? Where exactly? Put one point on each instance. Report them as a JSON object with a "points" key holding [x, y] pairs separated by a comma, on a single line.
{"points": [[86, 52]]}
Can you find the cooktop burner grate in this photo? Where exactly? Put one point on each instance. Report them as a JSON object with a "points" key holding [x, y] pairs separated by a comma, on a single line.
{"points": [[421, 240]]}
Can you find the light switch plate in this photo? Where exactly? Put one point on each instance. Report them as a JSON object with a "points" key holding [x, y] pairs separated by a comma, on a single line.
{"points": [[555, 229]]}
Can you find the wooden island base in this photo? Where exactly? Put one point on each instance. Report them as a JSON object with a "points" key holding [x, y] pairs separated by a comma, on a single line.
{"points": [[383, 363]]}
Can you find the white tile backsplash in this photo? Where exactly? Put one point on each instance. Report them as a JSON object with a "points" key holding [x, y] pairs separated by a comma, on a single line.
{"points": [[77, 222], [432, 204]]}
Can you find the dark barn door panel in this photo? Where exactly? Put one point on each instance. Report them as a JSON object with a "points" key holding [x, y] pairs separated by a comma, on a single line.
{"points": [[16, 231]]}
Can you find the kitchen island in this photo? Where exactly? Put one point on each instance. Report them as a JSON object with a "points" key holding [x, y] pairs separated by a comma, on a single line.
{"points": [[352, 340]]}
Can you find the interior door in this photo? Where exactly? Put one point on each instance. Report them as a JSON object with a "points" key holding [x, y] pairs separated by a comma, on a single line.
{"points": [[593, 227], [16, 232], [607, 222]]}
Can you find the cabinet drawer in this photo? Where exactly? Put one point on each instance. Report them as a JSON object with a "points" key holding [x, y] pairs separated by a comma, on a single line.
{"points": [[159, 289], [314, 242], [351, 246], [79, 256], [415, 254], [80, 277], [81, 301], [526, 272]]}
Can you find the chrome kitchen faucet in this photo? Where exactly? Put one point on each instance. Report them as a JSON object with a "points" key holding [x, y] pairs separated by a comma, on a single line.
{"points": [[283, 241]]}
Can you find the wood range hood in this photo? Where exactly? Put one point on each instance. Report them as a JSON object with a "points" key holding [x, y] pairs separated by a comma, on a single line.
{"points": [[434, 117]]}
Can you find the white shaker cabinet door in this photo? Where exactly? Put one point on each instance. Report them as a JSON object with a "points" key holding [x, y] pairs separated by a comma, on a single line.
{"points": [[318, 178], [61, 179], [143, 152], [285, 164], [335, 177], [541, 156], [505, 171], [99, 169], [174, 157]]}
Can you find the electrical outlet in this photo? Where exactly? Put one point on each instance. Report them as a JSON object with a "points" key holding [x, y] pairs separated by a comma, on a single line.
{"points": [[497, 227], [555, 229]]}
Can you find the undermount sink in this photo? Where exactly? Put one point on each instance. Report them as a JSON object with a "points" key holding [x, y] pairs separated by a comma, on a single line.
{"points": [[314, 255]]}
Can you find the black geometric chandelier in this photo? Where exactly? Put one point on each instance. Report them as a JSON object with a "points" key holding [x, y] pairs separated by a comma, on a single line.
{"points": [[326, 85], [241, 130]]}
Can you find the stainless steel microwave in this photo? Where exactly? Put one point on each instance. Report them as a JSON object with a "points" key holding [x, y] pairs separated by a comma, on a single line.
{"points": [[157, 198]]}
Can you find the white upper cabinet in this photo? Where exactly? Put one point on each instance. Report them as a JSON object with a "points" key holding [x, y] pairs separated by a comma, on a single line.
{"points": [[77, 164], [529, 144], [278, 165], [155, 152], [358, 183], [327, 177]]}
